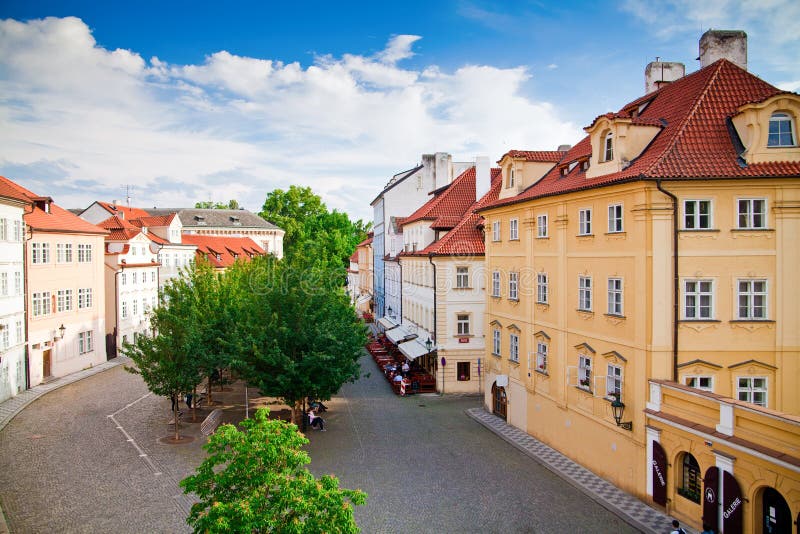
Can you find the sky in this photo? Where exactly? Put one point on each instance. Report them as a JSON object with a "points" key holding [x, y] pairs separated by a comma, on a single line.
{"points": [[179, 102]]}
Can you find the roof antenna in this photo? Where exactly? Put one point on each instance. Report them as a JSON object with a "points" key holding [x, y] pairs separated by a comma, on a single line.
{"points": [[128, 191]]}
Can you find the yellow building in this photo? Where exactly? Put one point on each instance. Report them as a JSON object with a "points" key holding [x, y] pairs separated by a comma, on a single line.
{"points": [[365, 301], [660, 252]]}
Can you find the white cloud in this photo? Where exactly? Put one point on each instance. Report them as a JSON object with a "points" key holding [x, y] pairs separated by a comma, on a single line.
{"points": [[85, 120]]}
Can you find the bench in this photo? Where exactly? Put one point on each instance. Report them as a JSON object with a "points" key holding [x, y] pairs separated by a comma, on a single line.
{"points": [[210, 423]]}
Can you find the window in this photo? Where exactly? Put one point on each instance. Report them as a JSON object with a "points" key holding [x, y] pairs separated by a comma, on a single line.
{"points": [[462, 323], [615, 218], [64, 252], [696, 214], [134, 277], [64, 300], [4, 284], [541, 356], [511, 177], [152, 276], [608, 146], [5, 339], [752, 297], [84, 253], [698, 299], [124, 309], [133, 251], [17, 230], [495, 283], [614, 381], [780, 130], [706, 383], [513, 286], [85, 342], [585, 371], [462, 368], [20, 335], [41, 303], [752, 389], [541, 226], [690, 482], [541, 288], [584, 293], [85, 298], [585, 222], [513, 347], [18, 283], [135, 307], [513, 229], [3, 229], [496, 231], [40, 253], [752, 213], [124, 278], [462, 277], [496, 342], [615, 296]]}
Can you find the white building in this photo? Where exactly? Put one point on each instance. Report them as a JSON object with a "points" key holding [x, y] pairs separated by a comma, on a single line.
{"points": [[12, 295]]}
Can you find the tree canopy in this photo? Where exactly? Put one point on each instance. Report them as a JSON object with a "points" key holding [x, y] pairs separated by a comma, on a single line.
{"points": [[232, 204], [255, 480]]}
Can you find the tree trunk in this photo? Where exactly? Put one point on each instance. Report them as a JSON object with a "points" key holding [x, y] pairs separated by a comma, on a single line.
{"points": [[175, 414], [208, 391], [194, 404]]}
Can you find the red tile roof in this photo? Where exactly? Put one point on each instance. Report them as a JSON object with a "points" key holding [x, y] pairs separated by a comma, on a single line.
{"points": [[159, 220], [209, 247], [57, 219], [128, 213], [694, 143], [366, 242], [466, 237], [119, 229], [545, 156], [354, 257], [9, 191], [451, 200]]}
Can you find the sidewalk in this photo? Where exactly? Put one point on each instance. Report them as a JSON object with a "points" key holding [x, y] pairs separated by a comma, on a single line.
{"points": [[628, 508], [11, 407]]}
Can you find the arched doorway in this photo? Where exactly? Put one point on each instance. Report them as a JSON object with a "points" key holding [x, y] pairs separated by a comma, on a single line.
{"points": [[776, 518], [499, 400]]}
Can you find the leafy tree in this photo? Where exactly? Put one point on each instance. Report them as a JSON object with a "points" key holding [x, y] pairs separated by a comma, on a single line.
{"points": [[255, 480], [166, 360], [291, 209], [209, 205]]}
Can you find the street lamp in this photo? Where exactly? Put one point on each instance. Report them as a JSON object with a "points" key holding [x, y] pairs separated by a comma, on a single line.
{"points": [[62, 329], [618, 408], [428, 344]]}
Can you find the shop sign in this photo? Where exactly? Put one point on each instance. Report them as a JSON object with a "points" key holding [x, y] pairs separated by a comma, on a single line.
{"points": [[710, 498], [659, 474], [732, 503]]}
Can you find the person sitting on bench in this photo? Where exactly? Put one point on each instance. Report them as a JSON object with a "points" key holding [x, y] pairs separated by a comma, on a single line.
{"points": [[314, 420]]}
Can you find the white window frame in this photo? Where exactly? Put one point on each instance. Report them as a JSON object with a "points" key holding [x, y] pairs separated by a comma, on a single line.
{"points": [[63, 252], [696, 382], [511, 177], [4, 284], [513, 230], [747, 218], [748, 392], [542, 288], [462, 277], [124, 278], [17, 230], [541, 356], [496, 231], [84, 253], [513, 285], [614, 381], [17, 283], [608, 146], [541, 226], [85, 342], [585, 293], [780, 118], [40, 253], [615, 219], [462, 324], [693, 215], [513, 347], [64, 301], [585, 221], [84, 298], [134, 278], [124, 309], [496, 336], [585, 372], [698, 293], [615, 296], [495, 283], [42, 301], [746, 291]]}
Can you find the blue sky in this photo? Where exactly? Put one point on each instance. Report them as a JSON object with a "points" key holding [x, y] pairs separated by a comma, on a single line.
{"points": [[189, 101]]}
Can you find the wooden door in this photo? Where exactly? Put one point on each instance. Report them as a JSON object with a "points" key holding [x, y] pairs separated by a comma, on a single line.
{"points": [[500, 401], [46, 363]]}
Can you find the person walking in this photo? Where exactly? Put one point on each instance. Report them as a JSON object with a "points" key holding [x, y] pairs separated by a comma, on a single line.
{"points": [[676, 528]]}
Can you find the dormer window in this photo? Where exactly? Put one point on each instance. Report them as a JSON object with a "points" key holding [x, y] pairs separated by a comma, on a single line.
{"points": [[585, 165], [235, 221], [781, 130], [608, 146], [200, 219], [511, 177], [564, 170]]}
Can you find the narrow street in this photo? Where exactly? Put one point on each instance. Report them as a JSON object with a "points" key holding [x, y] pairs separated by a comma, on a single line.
{"points": [[65, 466]]}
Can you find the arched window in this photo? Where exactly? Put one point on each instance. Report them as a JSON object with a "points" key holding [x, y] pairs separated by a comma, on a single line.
{"points": [[690, 481], [608, 146], [781, 130]]}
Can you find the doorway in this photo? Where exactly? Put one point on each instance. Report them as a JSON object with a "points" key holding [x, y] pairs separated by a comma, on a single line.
{"points": [[500, 400], [46, 363], [776, 517]]}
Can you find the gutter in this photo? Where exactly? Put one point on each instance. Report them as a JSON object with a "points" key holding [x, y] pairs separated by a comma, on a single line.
{"points": [[430, 259], [25, 298], [675, 279]]}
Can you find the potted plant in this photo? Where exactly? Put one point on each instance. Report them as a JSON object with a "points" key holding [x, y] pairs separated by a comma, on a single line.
{"points": [[585, 382]]}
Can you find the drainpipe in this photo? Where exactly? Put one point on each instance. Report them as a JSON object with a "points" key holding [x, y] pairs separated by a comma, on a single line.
{"points": [[435, 337], [400, 263], [25, 297], [675, 279]]}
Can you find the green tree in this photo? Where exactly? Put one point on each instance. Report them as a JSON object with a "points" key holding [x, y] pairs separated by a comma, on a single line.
{"points": [[299, 336], [166, 360], [209, 205], [291, 209], [255, 480]]}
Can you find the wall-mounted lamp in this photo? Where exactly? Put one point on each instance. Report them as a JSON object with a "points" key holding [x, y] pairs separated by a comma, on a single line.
{"points": [[618, 408], [429, 344], [61, 330]]}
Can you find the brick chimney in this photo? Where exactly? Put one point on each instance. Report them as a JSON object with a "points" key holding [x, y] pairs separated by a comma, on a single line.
{"points": [[657, 74], [728, 44], [483, 177]]}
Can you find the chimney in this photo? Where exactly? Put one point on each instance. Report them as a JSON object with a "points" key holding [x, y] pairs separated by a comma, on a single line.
{"points": [[657, 74], [483, 177], [727, 44], [443, 169]]}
